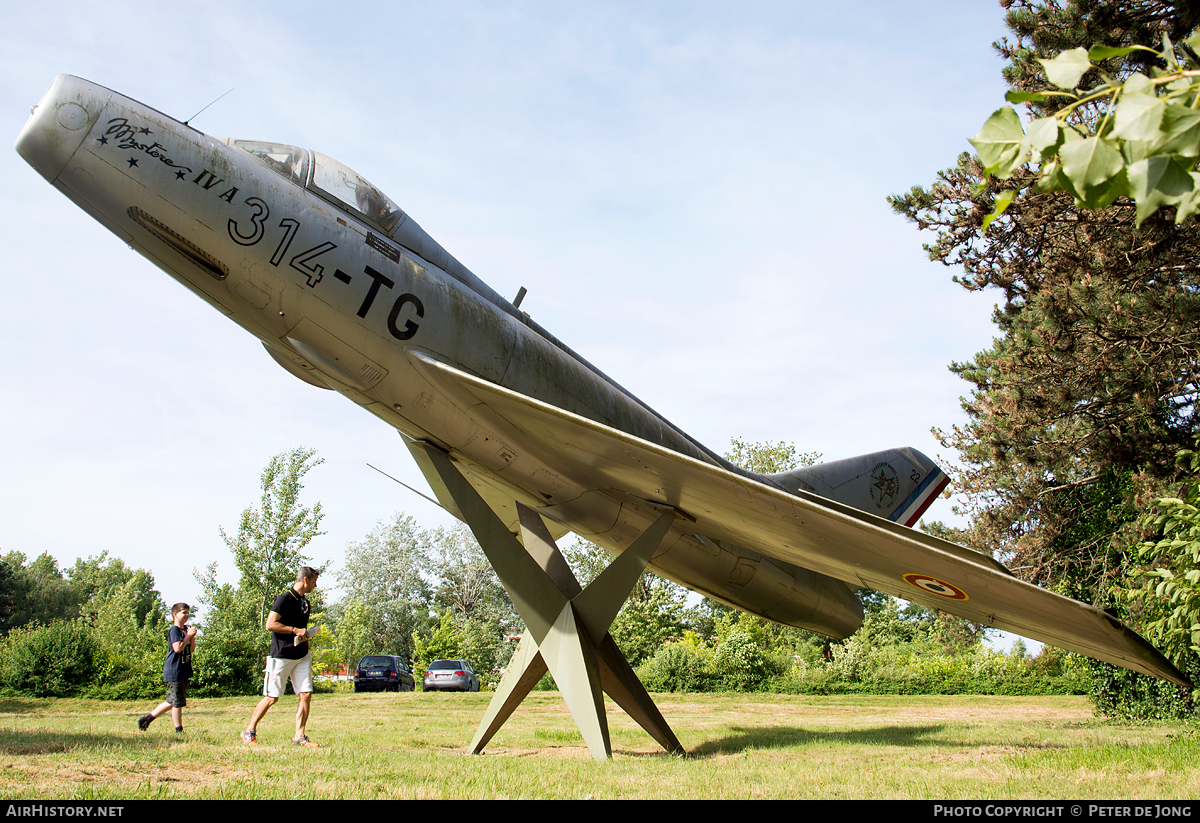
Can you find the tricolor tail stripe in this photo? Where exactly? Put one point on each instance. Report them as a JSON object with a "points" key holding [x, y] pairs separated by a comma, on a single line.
{"points": [[910, 511]]}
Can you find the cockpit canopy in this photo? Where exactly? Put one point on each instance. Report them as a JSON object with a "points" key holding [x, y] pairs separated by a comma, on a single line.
{"points": [[328, 178]]}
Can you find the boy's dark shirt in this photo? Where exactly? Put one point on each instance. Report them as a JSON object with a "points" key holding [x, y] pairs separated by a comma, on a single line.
{"points": [[178, 665], [292, 609]]}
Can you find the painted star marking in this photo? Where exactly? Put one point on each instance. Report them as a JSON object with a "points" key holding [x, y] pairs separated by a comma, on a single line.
{"points": [[144, 130], [886, 487], [179, 175], [102, 140], [132, 162]]}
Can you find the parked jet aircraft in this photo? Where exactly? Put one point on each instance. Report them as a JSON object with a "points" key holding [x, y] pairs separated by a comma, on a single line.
{"points": [[348, 293]]}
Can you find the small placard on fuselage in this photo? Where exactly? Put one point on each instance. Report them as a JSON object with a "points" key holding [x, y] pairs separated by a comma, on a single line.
{"points": [[381, 246]]}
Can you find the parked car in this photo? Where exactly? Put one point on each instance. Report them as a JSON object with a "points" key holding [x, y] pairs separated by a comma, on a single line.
{"points": [[383, 672], [450, 676]]}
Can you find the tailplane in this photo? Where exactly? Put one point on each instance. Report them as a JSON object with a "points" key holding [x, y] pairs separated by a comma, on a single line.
{"points": [[898, 484]]}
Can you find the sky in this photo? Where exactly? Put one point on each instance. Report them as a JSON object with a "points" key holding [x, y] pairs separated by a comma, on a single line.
{"points": [[693, 193]]}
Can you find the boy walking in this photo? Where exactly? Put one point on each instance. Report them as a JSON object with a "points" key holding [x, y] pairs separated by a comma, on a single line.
{"points": [[177, 668]]}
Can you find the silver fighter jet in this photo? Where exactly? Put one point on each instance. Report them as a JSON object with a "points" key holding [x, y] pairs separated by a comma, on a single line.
{"points": [[347, 292]]}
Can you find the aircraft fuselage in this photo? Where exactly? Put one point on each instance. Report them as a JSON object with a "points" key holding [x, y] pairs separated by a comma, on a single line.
{"points": [[348, 293]]}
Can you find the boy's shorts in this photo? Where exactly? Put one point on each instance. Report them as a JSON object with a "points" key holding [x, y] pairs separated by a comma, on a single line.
{"points": [[177, 693], [279, 670]]}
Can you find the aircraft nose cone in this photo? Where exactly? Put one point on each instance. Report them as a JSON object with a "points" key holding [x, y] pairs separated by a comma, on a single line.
{"points": [[59, 123]]}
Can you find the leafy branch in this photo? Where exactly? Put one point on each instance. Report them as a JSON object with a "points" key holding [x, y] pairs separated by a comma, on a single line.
{"points": [[1172, 572], [1136, 137]]}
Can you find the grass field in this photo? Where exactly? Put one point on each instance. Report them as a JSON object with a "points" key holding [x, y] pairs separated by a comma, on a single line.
{"points": [[740, 746]]}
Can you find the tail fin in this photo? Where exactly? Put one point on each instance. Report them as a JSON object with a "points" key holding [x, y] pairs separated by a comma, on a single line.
{"points": [[898, 484]]}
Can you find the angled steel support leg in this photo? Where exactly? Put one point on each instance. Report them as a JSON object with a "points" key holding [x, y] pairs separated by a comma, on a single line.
{"points": [[567, 627]]}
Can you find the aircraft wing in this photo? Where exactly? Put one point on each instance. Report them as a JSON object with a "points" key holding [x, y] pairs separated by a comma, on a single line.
{"points": [[804, 528], [500, 501]]}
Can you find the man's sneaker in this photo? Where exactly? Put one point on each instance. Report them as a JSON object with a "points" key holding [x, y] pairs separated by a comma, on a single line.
{"points": [[304, 741], [144, 722], [249, 737]]}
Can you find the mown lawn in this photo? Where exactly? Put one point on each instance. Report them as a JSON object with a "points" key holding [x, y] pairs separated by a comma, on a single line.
{"points": [[740, 746]]}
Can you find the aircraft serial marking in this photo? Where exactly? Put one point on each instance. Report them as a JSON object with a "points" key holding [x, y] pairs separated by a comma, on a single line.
{"points": [[302, 262], [261, 212], [377, 279], [314, 272], [289, 227], [410, 328]]}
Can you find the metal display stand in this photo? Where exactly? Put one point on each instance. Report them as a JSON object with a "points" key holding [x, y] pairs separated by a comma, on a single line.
{"points": [[567, 626]]}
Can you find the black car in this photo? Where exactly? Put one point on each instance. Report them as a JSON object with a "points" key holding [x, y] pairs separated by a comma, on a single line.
{"points": [[383, 672]]}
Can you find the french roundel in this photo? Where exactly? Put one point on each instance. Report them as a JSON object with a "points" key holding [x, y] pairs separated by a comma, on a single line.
{"points": [[934, 586]]}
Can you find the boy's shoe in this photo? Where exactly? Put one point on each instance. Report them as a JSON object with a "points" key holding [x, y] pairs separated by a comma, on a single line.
{"points": [[249, 737], [304, 741], [144, 722], [179, 730]]}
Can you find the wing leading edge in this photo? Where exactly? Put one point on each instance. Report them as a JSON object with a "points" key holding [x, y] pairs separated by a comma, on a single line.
{"points": [[803, 528]]}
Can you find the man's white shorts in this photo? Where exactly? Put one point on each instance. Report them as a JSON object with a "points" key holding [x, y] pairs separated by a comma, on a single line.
{"points": [[279, 670]]}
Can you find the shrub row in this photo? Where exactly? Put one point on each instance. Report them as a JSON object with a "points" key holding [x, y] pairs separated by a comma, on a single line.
{"points": [[70, 658], [856, 667]]}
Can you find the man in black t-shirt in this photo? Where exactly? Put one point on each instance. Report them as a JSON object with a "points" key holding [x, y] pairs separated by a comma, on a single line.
{"points": [[289, 656]]}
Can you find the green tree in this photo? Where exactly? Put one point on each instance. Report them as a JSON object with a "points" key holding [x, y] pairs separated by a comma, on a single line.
{"points": [[103, 610], [354, 634], [679, 666], [469, 591], [232, 647], [1173, 571], [323, 647], [652, 614], [467, 585], [55, 660], [271, 539], [1119, 133], [1168, 601], [445, 641], [385, 576], [97, 578], [131, 638], [1080, 405], [767, 457], [9, 593], [39, 592], [268, 550], [739, 663], [1078, 408]]}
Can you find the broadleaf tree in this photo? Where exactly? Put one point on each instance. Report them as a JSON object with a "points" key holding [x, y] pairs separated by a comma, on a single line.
{"points": [[653, 613], [1089, 390], [271, 539], [470, 593], [1082, 224], [1128, 134], [385, 574], [1168, 598], [353, 636]]}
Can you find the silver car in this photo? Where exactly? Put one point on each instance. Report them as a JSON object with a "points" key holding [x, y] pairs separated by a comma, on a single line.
{"points": [[450, 676]]}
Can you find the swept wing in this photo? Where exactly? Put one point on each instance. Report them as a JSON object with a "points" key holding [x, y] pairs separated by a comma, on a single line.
{"points": [[805, 529]]}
